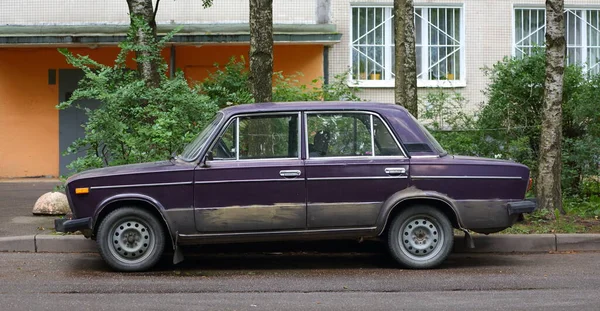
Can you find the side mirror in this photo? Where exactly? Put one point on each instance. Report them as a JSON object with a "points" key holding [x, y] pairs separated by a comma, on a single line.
{"points": [[207, 157]]}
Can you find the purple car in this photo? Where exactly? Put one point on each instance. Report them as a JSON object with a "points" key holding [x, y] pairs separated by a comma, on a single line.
{"points": [[304, 170]]}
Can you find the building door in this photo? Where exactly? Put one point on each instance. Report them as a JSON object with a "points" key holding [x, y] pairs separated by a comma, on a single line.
{"points": [[70, 120]]}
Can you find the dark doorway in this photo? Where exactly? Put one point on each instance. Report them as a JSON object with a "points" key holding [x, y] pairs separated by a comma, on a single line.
{"points": [[71, 120]]}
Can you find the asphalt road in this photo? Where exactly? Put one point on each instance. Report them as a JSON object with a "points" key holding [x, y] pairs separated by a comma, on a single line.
{"points": [[302, 281]]}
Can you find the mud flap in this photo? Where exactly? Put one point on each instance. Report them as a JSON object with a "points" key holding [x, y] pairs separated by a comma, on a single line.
{"points": [[469, 243], [177, 254]]}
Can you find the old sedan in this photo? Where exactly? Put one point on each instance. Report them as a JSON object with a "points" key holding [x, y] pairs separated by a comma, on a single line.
{"points": [[321, 170]]}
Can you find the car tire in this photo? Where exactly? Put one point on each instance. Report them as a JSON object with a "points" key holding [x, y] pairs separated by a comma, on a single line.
{"points": [[130, 239], [420, 237]]}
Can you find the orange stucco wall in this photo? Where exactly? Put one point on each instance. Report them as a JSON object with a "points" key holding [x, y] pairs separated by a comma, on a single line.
{"points": [[28, 117], [198, 62]]}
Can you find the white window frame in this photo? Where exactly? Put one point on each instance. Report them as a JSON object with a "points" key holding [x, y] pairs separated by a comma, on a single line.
{"points": [[388, 80], [583, 47]]}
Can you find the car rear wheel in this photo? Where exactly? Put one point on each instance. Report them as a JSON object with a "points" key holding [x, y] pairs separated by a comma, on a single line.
{"points": [[131, 239], [420, 237]]}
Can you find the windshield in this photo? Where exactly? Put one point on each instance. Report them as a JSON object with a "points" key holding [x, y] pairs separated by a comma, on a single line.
{"points": [[190, 153]]}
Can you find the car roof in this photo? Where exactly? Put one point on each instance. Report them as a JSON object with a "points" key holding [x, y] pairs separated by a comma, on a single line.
{"points": [[314, 105]]}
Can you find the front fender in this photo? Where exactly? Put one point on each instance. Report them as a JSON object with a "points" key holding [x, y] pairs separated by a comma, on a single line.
{"points": [[408, 194], [134, 197]]}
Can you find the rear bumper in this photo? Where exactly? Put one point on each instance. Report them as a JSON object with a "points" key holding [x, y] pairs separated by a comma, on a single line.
{"points": [[521, 207], [489, 216], [72, 225]]}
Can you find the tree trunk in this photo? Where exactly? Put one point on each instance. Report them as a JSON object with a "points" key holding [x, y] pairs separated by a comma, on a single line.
{"points": [[548, 185], [405, 57], [261, 50], [147, 64]]}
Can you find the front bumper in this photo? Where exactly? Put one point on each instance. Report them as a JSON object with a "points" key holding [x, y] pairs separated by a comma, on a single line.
{"points": [[521, 207], [72, 225]]}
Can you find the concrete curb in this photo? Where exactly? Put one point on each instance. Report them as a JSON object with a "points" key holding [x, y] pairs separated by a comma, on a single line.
{"points": [[42, 243], [500, 243], [514, 243]]}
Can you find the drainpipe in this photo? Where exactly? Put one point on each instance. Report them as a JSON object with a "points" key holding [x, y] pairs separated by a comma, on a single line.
{"points": [[323, 16], [325, 64], [323, 11], [172, 65]]}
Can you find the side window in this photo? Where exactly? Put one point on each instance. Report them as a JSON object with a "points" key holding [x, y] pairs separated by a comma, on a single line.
{"points": [[385, 145], [339, 135], [259, 137], [349, 134], [264, 137], [225, 149]]}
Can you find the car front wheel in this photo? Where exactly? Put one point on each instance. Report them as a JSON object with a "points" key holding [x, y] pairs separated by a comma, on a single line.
{"points": [[420, 237], [130, 239]]}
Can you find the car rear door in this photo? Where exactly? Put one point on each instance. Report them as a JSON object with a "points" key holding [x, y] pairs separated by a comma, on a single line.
{"points": [[353, 165]]}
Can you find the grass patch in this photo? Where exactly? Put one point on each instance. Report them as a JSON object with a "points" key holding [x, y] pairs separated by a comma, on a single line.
{"points": [[577, 220]]}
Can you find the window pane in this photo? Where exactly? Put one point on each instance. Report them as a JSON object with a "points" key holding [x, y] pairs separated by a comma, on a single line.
{"points": [[444, 43], [268, 137], [225, 149], [369, 46], [593, 41], [385, 145], [339, 135], [529, 30]]}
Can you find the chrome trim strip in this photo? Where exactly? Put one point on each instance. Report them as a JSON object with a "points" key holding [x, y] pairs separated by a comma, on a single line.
{"points": [[367, 158], [276, 232], [357, 178], [143, 185], [467, 177], [425, 156], [245, 180]]}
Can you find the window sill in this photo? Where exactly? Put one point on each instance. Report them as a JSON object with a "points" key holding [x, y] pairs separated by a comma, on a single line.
{"points": [[420, 83]]}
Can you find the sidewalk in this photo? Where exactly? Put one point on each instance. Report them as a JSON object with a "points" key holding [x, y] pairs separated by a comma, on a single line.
{"points": [[21, 231]]}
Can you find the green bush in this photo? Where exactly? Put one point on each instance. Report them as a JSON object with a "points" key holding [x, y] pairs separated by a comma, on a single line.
{"points": [[135, 122]]}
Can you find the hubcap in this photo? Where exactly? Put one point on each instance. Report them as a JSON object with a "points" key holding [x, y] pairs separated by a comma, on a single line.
{"points": [[421, 237], [131, 240]]}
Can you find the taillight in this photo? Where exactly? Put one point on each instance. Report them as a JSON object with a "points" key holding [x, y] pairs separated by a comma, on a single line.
{"points": [[530, 184]]}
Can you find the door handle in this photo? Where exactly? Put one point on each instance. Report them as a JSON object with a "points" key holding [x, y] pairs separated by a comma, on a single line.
{"points": [[395, 171], [289, 173]]}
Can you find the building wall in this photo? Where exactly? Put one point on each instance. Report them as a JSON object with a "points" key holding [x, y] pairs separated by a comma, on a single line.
{"points": [[488, 38], [70, 12], [28, 117]]}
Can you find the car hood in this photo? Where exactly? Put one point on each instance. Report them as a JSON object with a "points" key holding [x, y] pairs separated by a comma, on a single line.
{"points": [[126, 169]]}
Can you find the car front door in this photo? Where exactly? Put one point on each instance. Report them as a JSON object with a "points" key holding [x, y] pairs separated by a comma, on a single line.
{"points": [[353, 165], [255, 180]]}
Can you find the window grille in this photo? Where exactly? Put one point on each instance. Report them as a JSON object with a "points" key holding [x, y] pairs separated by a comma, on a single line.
{"points": [[439, 44], [582, 34]]}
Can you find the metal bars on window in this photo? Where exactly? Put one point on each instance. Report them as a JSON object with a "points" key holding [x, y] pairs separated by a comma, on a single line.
{"points": [[439, 43], [582, 34]]}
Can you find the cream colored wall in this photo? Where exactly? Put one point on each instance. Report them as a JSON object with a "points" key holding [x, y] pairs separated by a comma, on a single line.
{"points": [[65, 12], [488, 29]]}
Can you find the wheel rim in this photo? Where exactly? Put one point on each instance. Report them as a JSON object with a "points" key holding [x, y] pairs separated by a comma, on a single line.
{"points": [[421, 238], [131, 241]]}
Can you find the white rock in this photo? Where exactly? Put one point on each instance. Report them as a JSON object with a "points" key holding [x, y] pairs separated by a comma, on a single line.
{"points": [[51, 203]]}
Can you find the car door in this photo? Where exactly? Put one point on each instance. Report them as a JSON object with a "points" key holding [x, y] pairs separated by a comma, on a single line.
{"points": [[353, 165], [255, 180]]}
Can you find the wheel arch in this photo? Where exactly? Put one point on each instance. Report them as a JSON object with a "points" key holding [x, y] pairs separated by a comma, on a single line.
{"points": [[137, 200], [411, 197]]}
